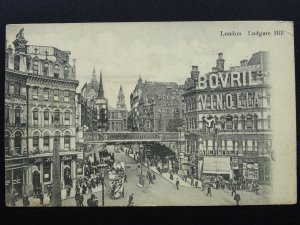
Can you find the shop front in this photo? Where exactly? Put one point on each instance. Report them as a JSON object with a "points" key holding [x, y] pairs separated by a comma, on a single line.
{"points": [[41, 172], [217, 166]]}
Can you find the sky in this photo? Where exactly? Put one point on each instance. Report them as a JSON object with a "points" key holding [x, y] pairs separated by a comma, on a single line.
{"points": [[156, 51]]}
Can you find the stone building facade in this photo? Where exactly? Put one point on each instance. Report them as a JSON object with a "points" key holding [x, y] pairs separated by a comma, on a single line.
{"points": [[50, 100], [228, 121], [157, 106]]}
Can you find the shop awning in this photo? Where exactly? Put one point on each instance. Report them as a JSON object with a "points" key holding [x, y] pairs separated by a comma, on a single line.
{"points": [[216, 165]]}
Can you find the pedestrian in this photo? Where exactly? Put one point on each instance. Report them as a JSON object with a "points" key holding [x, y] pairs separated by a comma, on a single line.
{"points": [[256, 188], [153, 177], [171, 176], [80, 202], [77, 197], [196, 184], [177, 183], [125, 178], [208, 191], [192, 181], [41, 196], [237, 198], [68, 192], [233, 190], [25, 200], [130, 200]]}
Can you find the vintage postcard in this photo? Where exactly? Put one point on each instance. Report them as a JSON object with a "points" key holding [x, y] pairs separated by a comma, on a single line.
{"points": [[150, 114]]}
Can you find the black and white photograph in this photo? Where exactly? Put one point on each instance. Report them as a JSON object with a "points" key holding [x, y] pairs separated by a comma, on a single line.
{"points": [[150, 114]]}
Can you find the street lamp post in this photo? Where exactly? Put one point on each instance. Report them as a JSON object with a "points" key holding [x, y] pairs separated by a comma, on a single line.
{"points": [[141, 180], [102, 170]]}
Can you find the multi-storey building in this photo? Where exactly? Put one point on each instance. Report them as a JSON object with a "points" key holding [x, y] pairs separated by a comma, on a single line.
{"points": [[16, 157], [156, 106], [51, 84], [228, 121], [117, 118]]}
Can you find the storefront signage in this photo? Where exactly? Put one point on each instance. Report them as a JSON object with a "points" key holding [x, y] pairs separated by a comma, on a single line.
{"points": [[66, 158], [245, 100], [226, 80]]}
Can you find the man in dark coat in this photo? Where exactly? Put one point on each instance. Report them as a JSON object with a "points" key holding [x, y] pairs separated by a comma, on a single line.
{"points": [[237, 198], [130, 200], [80, 202], [177, 183], [208, 191], [41, 196], [233, 190]]}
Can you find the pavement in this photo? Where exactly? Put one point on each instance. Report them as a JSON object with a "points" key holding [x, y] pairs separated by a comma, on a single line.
{"points": [[163, 192]]}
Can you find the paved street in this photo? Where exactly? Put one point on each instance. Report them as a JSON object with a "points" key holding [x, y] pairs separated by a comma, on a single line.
{"points": [[164, 193]]}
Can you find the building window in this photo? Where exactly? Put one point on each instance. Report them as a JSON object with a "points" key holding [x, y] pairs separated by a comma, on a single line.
{"points": [[46, 69], [18, 142], [56, 116], [35, 93], [56, 71], [17, 89], [35, 116], [47, 171], [255, 122], [17, 115], [6, 115], [66, 96], [46, 117], [67, 141], [67, 118], [35, 140], [229, 122], [7, 143], [46, 93], [66, 72], [223, 121], [243, 122], [249, 122], [56, 95], [269, 122], [17, 63], [46, 140], [235, 122], [57, 137], [35, 68]]}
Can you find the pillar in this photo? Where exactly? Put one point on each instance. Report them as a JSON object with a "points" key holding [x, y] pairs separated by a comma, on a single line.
{"points": [[73, 173], [42, 175], [51, 143], [29, 184], [41, 147], [62, 143], [24, 145], [12, 145], [62, 181]]}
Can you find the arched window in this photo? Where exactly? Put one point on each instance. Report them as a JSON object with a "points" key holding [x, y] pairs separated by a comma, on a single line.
{"points": [[235, 122], [67, 140], [17, 115], [18, 142], [255, 121], [249, 122], [67, 118], [35, 68], [7, 143], [46, 117], [229, 122], [243, 122], [17, 63], [66, 72], [56, 116], [46, 69], [35, 139], [35, 116], [56, 71], [6, 115]]}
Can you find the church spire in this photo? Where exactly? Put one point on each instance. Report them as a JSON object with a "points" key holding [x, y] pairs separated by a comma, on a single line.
{"points": [[121, 100], [94, 74], [100, 90]]}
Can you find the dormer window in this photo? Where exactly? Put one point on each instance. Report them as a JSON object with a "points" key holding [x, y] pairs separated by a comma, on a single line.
{"points": [[56, 71], [46, 69], [66, 72], [17, 63], [35, 68]]}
